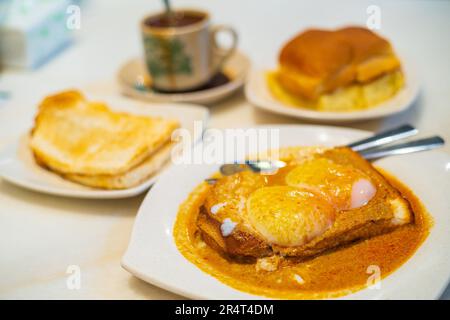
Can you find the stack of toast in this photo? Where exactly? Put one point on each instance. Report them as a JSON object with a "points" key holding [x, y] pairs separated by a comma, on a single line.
{"points": [[87, 143]]}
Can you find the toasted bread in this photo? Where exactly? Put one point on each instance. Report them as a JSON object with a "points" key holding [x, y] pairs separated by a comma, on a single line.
{"points": [[228, 199], [319, 61], [74, 136], [131, 178], [88, 143], [356, 96]]}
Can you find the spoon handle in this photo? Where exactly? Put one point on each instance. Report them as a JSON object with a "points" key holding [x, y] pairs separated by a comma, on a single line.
{"points": [[168, 7], [383, 138], [374, 153], [403, 148]]}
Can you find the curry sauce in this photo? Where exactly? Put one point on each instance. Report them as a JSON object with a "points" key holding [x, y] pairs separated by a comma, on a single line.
{"points": [[335, 273]]}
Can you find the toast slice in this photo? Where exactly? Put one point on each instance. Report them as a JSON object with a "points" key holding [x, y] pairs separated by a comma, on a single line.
{"points": [[135, 176], [87, 143], [226, 201], [73, 136]]}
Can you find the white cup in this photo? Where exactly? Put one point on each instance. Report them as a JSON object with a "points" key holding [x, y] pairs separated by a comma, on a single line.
{"points": [[186, 54]]}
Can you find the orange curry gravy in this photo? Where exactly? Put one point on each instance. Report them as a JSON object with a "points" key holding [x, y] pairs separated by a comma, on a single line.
{"points": [[332, 274]]}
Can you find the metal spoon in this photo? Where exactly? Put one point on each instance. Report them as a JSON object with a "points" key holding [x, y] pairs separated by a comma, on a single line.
{"points": [[384, 137], [254, 165], [368, 148], [403, 148], [168, 7], [376, 140]]}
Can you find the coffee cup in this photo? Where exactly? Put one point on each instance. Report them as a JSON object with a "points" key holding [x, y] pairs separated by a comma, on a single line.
{"points": [[181, 49]]}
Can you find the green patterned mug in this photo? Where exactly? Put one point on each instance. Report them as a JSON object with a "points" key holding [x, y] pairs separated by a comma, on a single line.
{"points": [[181, 50]]}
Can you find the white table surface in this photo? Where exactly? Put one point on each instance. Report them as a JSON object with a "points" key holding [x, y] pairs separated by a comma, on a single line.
{"points": [[41, 235]]}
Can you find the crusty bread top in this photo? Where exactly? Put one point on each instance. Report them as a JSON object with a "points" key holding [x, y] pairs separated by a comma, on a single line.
{"points": [[74, 136], [320, 61]]}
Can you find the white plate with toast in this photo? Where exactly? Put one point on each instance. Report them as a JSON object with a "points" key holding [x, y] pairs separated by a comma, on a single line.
{"points": [[152, 254], [19, 166], [258, 93]]}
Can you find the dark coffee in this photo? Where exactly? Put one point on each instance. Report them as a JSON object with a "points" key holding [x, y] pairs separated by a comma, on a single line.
{"points": [[218, 80], [176, 19]]}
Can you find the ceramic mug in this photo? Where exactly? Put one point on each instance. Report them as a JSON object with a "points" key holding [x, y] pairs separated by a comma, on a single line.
{"points": [[183, 53]]}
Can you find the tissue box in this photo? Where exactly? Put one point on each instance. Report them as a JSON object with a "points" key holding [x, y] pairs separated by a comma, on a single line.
{"points": [[32, 31]]}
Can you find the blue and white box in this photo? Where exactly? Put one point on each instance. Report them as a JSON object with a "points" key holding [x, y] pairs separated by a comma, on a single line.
{"points": [[33, 31]]}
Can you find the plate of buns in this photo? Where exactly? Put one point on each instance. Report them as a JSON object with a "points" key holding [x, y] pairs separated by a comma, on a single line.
{"points": [[343, 75], [327, 224], [99, 147]]}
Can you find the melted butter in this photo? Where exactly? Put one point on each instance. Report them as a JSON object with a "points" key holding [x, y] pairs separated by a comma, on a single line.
{"points": [[332, 274]]}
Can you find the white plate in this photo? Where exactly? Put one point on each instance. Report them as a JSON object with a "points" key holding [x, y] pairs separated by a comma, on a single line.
{"points": [[18, 166], [152, 254], [132, 75], [258, 93]]}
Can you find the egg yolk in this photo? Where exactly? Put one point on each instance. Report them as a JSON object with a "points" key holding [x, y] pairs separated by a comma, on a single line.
{"points": [[289, 216], [344, 186]]}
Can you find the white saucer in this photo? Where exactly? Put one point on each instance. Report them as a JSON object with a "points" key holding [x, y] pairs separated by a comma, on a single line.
{"points": [[258, 93], [17, 164], [153, 256], [132, 74]]}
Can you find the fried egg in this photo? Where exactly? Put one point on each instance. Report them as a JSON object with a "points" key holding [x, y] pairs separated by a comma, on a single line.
{"points": [[289, 216], [344, 186]]}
